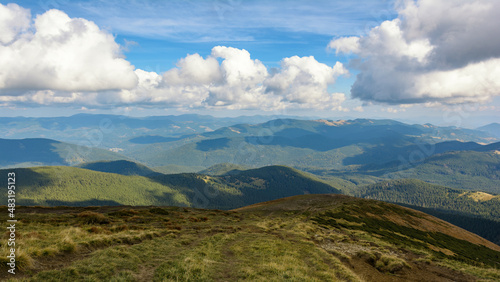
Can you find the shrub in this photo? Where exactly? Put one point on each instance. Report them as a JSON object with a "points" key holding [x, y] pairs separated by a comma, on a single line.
{"points": [[90, 217], [390, 264]]}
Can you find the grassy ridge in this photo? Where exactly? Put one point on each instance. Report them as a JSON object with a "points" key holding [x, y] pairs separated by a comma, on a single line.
{"points": [[419, 193], [478, 212], [305, 238]]}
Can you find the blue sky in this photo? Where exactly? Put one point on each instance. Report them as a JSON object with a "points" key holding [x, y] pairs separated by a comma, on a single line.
{"points": [[391, 66], [270, 30]]}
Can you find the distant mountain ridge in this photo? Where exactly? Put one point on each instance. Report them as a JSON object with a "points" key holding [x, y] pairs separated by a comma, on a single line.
{"points": [[319, 143], [492, 128], [115, 130]]}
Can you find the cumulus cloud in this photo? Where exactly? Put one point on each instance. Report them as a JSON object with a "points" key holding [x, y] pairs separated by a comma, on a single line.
{"points": [[14, 20], [345, 45], [242, 78], [230, 79], [57, 60], [305, 81], [226, 79], [58, 53], [434, 51]]}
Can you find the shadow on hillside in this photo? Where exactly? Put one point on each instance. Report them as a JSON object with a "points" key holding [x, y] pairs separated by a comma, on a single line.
{"points": [[36, 150], [391, 156], [212, 144], [316, 142]]}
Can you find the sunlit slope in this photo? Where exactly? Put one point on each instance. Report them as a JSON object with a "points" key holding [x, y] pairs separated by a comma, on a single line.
{"points": [[81, 187], [301, 238]]}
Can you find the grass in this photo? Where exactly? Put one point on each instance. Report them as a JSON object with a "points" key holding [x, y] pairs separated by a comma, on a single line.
{"points": [[184, 244], [71, 186], [404, 236]]}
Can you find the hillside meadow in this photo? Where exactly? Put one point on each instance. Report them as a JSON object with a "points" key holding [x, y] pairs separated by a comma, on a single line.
{"points": [[304, 238]]}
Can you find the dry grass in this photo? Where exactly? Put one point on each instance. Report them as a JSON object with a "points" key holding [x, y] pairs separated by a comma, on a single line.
{"points": [[178, 244]]}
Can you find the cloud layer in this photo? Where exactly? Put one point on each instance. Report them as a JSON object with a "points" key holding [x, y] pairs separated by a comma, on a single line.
{"points": [[57, 60], [435, 51]]}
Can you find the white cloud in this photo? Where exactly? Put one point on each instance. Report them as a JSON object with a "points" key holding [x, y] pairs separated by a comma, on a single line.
{"points": [[58, 60], [443, 52], [230, 79], [476, 82], [240, 82], [14, 20], [345, 45], [60, 53], [241, 86], [194, 70], [305, 81]]}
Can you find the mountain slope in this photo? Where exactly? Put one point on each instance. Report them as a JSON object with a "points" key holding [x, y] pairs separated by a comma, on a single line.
{"points": [[468, 170], [249, 186], [349, 208], [72, 186], [53, 186], [394, 224], [492, 128], [39, 151], [477, 212], [221, 169], [302, 238], [418, 193]]}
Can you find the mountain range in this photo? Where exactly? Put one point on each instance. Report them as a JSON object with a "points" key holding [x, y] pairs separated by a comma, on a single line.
{"points": [[117, 180]]}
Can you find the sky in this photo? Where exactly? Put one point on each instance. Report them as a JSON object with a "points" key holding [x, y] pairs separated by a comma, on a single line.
{"points": [[421, 61]]}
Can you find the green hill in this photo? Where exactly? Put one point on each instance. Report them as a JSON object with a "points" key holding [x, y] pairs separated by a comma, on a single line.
{"points": [[465, 206], [246, 187], [52, 186], [301, 238], [173, 169], [39, 151], [492, 128], [468, 170], [223, 168], [419, 193]]}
